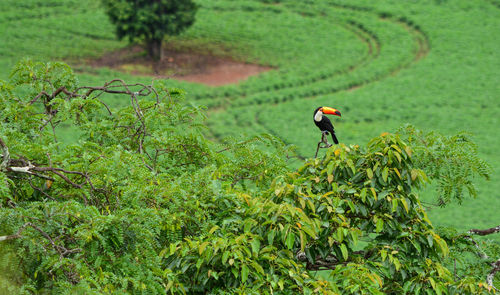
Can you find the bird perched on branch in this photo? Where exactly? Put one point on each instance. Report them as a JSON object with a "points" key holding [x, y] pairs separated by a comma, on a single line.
{"points": [[325, 125]]}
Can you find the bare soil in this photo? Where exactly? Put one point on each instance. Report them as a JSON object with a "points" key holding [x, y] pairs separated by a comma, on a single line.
{"points": [[188, 66]]}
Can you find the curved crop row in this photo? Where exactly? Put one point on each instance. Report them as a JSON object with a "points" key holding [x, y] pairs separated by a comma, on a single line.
{"points": [[396, 43]]}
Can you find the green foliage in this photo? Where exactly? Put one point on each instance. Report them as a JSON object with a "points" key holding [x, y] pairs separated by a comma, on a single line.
{"points": [[96, 213], [452, 160], [141, 202], [368, 195], [469, 257], [150, 21], [10, 275]]}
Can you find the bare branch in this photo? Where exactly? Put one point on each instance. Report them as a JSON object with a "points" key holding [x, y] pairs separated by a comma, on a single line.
{"points": [[16, 235], [491, 275], [485, 232], [40, 190]]}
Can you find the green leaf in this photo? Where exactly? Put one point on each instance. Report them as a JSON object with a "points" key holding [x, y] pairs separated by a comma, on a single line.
{"points": [[225, 256], [383, 254], [380, 225], [403, 201], [255, 246], [369, 172], [244, 273], [398, 155], [362, 194], [340, 235], [396, 263], [414, 174], [343, 249], [354, 237], [270, 237], [257, 267], [329, 168], [302, 241], [430, 240], [351, 165], [416, 245], [433, 283], [290, 240], [309, 230], [407, 286], [202, 247], [385, 174], [394, 204], [374, 193], [213, 229]]}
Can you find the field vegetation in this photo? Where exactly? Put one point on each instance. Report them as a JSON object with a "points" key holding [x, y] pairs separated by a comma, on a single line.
{"points": [[432, 63]]}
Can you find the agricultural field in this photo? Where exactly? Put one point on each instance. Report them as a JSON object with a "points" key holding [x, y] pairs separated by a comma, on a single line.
{"points": [[434, 64]]}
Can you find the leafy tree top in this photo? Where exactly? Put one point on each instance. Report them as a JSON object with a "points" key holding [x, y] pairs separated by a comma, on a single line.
{"points": [[150, 21], [140, 20]]}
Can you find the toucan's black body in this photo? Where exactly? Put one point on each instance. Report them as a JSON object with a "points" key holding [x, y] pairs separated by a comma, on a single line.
{"points": [[325, 125]]}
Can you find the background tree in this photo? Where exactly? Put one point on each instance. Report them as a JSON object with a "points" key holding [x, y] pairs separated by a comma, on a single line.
{"points": [[149, 21], [139, 201]]}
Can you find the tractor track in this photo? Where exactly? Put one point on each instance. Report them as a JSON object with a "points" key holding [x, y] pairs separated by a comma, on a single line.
{"points": [[354, 27], [420, 49]]}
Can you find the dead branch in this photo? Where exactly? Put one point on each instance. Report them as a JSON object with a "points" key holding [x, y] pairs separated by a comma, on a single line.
{"points": [[331, 261], [489, 278], [116, 86], [323, 140], [31, 169], [485, 232], [40, 190], [108, 87], [16, 235]]}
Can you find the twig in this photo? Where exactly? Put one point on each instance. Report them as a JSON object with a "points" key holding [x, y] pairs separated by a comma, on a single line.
{"points": [[40, 190], [323, 140]]}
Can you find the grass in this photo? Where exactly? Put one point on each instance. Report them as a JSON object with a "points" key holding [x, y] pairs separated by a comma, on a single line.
{"points": [[434, 64]]}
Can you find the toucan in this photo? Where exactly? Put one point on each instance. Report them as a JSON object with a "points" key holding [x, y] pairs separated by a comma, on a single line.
{"points": [[324, 124]]}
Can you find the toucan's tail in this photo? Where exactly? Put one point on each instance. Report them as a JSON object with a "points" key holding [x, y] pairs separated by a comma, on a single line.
{"points": [[335, 140]]}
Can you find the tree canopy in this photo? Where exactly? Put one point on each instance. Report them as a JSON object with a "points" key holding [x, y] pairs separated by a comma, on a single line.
{"points": [[150, 21], [138, 200]]}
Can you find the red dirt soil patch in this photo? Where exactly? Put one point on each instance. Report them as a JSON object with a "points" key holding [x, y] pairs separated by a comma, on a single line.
{"points": [[188, 66]]}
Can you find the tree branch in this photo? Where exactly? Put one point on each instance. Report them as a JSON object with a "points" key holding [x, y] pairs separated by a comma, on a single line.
{"points": [[484, 232], [491, 275], [5, 155], [495, 265], [63, 251], [16, 235]]}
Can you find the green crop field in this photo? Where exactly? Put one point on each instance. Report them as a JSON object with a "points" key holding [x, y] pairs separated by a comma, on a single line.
{"points": [[432, 63]]}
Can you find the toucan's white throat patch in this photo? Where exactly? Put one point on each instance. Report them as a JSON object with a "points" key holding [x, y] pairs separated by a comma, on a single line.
{"points": [[318, 116]]}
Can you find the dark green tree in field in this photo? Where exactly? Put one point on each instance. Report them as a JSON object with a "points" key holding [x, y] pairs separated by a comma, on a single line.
{"points": [[150, 21], [140, 202]]}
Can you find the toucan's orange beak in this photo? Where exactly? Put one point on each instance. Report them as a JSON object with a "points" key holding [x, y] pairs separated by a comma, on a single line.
{"points": [[331, 111]]}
